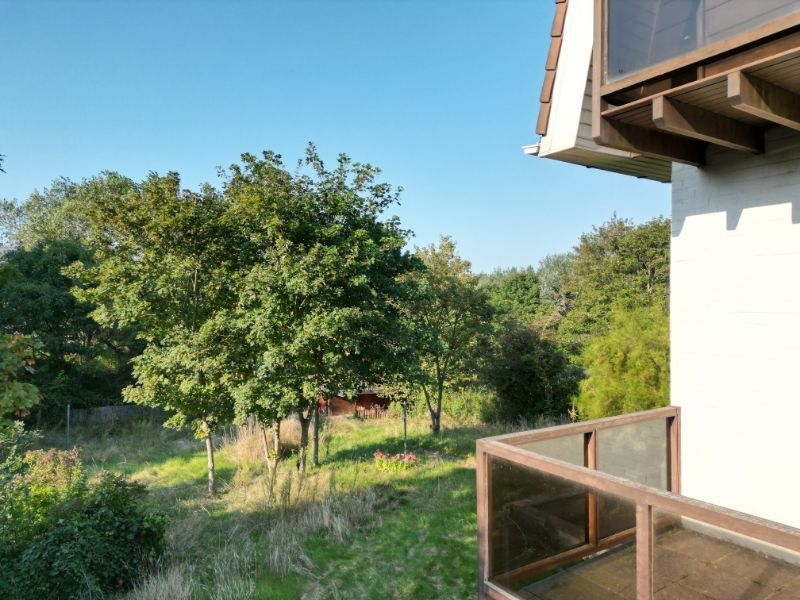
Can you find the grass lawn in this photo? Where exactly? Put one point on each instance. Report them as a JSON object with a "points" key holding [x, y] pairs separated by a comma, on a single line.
{"points": [[345, 530]]}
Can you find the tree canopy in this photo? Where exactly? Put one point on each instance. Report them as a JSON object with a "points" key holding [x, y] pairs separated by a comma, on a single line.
{"points": [[162, 263], [449, 317], [319, 303], [78, 361]]}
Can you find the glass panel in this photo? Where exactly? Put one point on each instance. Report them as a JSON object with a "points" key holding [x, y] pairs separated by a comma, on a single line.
{"points": [[637, 452], [643, 33], [568, 448], [535, 516], [692, 559], [614, 515]]}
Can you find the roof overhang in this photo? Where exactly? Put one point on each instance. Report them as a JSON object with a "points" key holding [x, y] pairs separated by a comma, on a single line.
{"points": [[565, 115]]}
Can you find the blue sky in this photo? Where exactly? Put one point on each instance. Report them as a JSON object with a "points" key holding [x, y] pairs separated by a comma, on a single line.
{"points": [[441, 94]]}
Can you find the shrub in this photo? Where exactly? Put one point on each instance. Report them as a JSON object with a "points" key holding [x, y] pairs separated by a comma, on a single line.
{"points": [[530, 375], [62, 536], [398, 462], [628, 367]]}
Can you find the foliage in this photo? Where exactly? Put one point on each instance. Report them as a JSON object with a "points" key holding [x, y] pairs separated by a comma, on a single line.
{"points": [[77, 360], [449, 318], [164, 259], [61, 536], [55, 213], [394, 462], [617, 264], [530, 376], [15, 440], [317, 307], [16, 357], [628, 367], [552, 273], [514, 293]]}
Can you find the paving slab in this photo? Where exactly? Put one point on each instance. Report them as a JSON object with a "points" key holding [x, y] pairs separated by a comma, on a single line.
{"points": [[688, 566]]}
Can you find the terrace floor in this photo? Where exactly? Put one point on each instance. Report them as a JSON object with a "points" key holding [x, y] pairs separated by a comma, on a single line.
{"points": [[687, 566]]}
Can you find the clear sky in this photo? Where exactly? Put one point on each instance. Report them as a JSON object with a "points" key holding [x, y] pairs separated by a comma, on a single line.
{"points": [[441, 94]]}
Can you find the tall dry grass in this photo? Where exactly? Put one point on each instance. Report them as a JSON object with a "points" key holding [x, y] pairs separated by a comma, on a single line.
{"points": [[268, 528]]}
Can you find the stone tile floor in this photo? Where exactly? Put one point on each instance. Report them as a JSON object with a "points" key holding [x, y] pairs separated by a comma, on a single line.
{"points": [[687, 566]]}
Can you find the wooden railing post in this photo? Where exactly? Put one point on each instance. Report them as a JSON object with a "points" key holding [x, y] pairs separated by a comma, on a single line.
{"points": [[674, 453], [590, 462], [644, 552], [484, 490]]}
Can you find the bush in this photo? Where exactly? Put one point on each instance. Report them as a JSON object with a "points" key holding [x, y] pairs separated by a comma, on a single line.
{"points": [[628, 367], [398, 462], [531, 376], [62, 536]]}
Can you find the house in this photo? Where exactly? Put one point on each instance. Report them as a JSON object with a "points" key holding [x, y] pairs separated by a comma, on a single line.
{"points": [[700, 499], [367, 403]]}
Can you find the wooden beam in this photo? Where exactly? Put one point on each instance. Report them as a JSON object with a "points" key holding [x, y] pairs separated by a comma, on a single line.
{"points": [[763, 99], [674, 453], [700, 124], [622, 136], [590, 462], [644, 552]]}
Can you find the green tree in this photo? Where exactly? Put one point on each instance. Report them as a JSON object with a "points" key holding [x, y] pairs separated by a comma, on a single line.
{"points": [[55, 213], [77, 360], [616, 265], [318, 306], [628, 367], [449, 317], [531, 376], [16, 397], [164, 259], [552, 272], [514, 293]]}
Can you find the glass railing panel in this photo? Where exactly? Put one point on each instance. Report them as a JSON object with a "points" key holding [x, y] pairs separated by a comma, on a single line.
{"points": [[539, 534], [637, 452], [568, 448], [614, 516], [693, 559], [644, 33], [534, 516]]}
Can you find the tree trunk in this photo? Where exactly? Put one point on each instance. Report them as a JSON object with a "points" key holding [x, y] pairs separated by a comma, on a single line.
{"points": [[265, 443], [316, 435], [273, 458], [434, 412], [305, 421], [276, 440], [436, 416], [212, 476], [436, 423], [405, 430]]}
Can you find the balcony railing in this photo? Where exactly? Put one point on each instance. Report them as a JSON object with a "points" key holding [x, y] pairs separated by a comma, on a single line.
{"points": [[555, 500]]}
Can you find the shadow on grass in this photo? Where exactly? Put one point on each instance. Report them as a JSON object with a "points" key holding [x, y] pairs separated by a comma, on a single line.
{"points": [[451, 444]]}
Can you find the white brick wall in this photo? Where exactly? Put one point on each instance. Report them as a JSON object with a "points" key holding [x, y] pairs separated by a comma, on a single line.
{"points": [[735, 328]]}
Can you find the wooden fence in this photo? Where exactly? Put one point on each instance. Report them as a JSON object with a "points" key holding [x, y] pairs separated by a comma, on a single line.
{"points": [[115, 414]]}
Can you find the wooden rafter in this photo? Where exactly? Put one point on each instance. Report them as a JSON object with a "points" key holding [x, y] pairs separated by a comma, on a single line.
{"points": [[762, 99], [700, 124], [639, 140]]}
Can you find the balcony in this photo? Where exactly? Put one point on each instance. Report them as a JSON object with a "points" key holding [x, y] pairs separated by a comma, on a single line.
{"points": [[675, 77], [593, 511]]}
